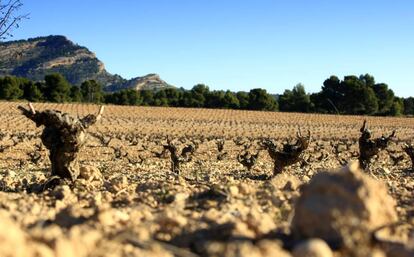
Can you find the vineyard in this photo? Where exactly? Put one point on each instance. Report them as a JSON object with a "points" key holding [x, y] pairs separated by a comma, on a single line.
{"points": [[160, 181]]}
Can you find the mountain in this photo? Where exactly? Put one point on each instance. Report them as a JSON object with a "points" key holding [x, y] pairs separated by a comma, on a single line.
{"points": [[36, 57], [150, 81]]}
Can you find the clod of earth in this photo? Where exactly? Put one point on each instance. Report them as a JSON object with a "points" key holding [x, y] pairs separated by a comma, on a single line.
{"points": [[342, 208], [64, 136]]}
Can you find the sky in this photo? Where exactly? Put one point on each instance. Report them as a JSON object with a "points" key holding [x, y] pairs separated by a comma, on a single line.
{"points": [[238, 44]]}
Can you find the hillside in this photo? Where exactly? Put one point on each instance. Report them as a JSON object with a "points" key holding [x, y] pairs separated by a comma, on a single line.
{"points": [[34, 58]]}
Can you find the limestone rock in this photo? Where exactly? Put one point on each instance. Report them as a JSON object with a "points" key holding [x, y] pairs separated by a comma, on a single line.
{"points": [[336, 206], [12, 238], [312, 248], [90, 173], [272, 248], [117, 184]]}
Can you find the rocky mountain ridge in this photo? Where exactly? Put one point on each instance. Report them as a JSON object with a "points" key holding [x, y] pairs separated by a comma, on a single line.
{"points": [[36, 57]]}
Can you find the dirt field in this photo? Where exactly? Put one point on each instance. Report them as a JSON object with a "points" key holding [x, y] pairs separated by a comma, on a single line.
{"points": [[129, 203]]}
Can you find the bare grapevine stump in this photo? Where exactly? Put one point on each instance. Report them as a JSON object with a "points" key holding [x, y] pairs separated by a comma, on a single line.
{"points": [[289, 155], [409, 149], [176, 157], [64, 136], [368, 147]]}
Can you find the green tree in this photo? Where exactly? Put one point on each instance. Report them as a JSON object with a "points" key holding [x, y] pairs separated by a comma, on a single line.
{"points": [[352, 95], [367, 79], [92, 92], [32, 92], [259, 99], [331, 97], [370, 101], [409, 106], [221, 99], [357, 97], [160, 98], [75, 94], [243, 98], [286, 101], [198, 95], [319, 103], [10, 88], [397, 108], [112, 98], [147, 97], [385, 98], [186, 99], [231, 101], [124, 97], [173, 96], [57, 88], [215, 99], [295, 100], [133, 96]]}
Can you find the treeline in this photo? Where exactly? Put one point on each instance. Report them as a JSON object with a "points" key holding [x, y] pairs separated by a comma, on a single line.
{"points": [[54, 88], [352, 95]]}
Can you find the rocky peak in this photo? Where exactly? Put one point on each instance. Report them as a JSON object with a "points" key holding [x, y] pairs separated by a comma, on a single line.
{"points": [[36, 57]]}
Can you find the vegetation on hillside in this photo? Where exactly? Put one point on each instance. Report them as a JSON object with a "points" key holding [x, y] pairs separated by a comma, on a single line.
{"points": [[352, 95]]}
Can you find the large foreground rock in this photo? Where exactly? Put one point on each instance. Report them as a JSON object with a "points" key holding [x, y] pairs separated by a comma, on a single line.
{"points": [[12, 238], [312, 248], [342, 207]]}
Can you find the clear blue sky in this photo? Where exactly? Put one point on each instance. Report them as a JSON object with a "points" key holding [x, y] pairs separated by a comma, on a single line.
{"points": [[237, 44]]}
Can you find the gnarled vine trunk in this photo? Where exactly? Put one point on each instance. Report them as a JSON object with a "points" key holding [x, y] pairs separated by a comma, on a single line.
{"points": [[64, 136]]}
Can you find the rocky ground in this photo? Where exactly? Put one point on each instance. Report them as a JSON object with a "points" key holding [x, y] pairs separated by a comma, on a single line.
{"points": [[127, 202], [212, 209]]}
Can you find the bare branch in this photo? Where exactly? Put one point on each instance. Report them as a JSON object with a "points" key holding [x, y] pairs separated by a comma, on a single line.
{"points": [[32, 109], [363, 126], [299, 133], [101, 110], [8, 19]]}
